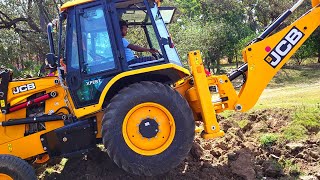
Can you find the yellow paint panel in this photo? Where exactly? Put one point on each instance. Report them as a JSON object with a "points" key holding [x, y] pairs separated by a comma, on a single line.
{"points": [[40, 84], [203, 96], [315, 2], [28, 146], [95, 108], [73, 3], [46, 85]]}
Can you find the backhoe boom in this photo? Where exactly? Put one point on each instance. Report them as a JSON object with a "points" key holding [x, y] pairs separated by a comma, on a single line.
{"points": [[264, 57]]}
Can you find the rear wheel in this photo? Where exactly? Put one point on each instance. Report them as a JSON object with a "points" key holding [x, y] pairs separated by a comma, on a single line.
{"points": [[14, 168], [148, 128]]}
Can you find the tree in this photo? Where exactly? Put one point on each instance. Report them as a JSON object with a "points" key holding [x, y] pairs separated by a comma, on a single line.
{"points": [[23, 31]]}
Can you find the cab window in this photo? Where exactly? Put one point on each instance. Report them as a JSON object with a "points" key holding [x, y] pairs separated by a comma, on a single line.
{"points": [[96, 45]]}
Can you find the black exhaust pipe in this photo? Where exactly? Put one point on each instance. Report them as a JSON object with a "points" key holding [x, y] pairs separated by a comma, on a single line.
{"points": [[50, 38]]}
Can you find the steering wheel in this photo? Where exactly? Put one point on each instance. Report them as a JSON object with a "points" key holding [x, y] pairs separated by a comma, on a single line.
{"points": [[96, 56], [157, 55]]}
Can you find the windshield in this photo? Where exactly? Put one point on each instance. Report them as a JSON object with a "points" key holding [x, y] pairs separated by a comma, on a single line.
{"points": [[164, 34], [139, 16]]}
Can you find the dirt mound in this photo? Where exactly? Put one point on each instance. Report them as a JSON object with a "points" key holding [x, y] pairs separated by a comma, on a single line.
{"points": [[238, 155]]}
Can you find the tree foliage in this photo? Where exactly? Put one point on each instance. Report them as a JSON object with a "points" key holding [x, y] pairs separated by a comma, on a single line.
{"points": [[23, 32], [219, 28]]}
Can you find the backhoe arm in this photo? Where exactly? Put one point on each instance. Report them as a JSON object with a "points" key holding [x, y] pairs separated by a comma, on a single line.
{"points": [[263, 58]]}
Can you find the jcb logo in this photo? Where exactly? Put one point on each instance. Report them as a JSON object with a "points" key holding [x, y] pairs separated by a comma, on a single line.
{"points": [[284, 47], [23, 88]]}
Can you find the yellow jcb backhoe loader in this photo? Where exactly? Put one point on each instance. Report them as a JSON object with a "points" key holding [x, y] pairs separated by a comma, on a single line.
{"points": [[143, 112]]}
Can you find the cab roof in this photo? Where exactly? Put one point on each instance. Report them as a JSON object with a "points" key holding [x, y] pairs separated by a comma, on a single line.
{"points": [[70, 4], [123, 3]]}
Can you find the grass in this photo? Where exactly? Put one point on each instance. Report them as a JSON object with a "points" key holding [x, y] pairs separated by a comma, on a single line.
{"points": [[290, 96], [268, 139], [294, 132], [308, 117], [290, 167], [55, 169], [243, 123], [295, 75], [292, 86], [226, 114], [305, 121]]}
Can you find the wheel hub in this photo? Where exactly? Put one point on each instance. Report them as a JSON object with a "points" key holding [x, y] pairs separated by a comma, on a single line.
{"points": [[5, 177], [149, 128]]}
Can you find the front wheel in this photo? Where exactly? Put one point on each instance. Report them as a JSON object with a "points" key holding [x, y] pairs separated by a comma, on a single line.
{"points": [[14, 168], [148, 128]]}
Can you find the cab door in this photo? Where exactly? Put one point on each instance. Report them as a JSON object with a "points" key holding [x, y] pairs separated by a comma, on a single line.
{"points": [[92, 58]]}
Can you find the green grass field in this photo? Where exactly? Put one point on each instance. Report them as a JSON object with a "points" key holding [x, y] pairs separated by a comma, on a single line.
{"points": [[293, 86], [290, 96]]}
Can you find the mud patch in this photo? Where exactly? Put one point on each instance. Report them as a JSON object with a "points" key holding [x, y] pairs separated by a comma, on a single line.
{"points": [[236, 156]]}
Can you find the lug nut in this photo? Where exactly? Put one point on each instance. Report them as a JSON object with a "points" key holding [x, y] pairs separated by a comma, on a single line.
{"points": [[64, 139]]}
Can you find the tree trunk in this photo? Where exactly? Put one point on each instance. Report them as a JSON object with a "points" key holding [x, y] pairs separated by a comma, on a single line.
{"points": [[318, 54], [237, 60]]}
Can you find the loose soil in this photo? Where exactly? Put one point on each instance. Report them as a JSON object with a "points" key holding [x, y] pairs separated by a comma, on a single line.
{"points": [[237, 155]]}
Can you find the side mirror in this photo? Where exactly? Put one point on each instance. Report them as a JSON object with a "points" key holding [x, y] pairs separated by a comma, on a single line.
{"points": [[51, 60], [170, 42]]}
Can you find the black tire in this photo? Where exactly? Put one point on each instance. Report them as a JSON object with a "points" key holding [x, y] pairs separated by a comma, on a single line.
{"points": [[16, 168], [127, 99]]}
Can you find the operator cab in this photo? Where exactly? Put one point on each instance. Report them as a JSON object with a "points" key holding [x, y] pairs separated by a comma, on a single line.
{"points": [[94, 48], [153, 33]]}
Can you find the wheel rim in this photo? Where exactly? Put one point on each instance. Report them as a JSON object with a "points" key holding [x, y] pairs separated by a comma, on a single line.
{"points": [[148, 129], [5, 177]]}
